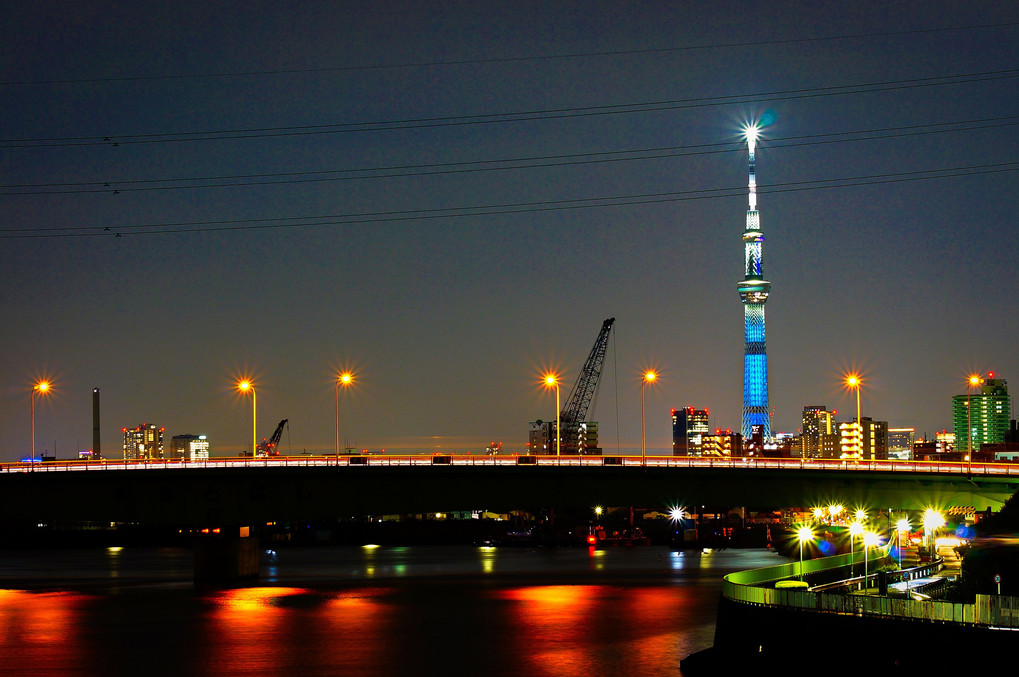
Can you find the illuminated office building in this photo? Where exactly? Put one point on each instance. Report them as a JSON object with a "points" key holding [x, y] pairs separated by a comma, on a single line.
{"points": [[817, 422], [900, 443], [190, 447], [143, 443], [689, 425], [982, 417]]}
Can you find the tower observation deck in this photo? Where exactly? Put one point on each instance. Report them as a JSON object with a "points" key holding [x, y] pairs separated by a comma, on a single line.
{"points": [[753, 291]]}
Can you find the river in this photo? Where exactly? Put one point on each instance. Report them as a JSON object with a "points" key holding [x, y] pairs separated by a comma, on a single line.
{"points": [[418, 610]]}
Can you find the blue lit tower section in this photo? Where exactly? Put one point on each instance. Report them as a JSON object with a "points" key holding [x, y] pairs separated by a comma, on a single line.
{"points": [[753, 291]]}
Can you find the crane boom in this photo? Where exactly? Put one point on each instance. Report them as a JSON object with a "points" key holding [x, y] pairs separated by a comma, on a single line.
{"points": [[271, 448], [575, 412]]}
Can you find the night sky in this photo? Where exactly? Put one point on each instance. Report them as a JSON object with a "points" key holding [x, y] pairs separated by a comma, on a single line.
{"points": [[448, 198]]}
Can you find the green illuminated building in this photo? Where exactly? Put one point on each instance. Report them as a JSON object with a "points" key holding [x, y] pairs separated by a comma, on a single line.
{"points": [[982, 417]]}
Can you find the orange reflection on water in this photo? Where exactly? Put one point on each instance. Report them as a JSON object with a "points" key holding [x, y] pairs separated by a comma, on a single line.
{"points": [[552, 621], [358, 623], [40, 632], [275, 630], [246, 626]]}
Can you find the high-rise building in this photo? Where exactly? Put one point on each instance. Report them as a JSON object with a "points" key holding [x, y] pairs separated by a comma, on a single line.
{"points": [[864, 440], [689, 425], [900, 443], [850, 440], [875, 440], [191, 447], [541, 438], [143, 442], [817, 421], [982, 418], [722, 444], [753, 292]]}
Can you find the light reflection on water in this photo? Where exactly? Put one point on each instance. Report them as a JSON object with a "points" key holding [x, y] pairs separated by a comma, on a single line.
{"points": [[386, 611]]}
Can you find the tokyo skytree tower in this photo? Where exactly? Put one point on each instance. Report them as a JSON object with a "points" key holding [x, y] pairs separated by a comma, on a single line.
{"points": [[753, 291]]}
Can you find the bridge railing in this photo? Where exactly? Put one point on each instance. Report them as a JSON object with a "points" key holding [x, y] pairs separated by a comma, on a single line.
{"points": [[756, 587], [439, 460]]}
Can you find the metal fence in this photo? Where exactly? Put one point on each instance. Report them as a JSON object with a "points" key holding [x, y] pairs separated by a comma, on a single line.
{"points": [[753, 587]]}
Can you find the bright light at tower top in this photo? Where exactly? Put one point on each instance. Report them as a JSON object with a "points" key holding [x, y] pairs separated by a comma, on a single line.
{"points": [[750, 133]]}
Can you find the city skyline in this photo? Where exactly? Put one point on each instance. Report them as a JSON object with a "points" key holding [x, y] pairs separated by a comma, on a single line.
{"points": [[447, 201]]}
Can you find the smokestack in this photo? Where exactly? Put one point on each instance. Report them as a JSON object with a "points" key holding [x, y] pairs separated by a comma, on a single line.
{"points": [[96, 451]]}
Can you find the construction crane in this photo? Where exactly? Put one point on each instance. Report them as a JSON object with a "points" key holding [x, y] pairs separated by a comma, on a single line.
{"points": [[574, 414], [271, 447]]}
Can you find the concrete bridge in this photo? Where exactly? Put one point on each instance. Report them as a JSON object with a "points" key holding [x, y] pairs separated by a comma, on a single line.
{"points": [[253, 491]]}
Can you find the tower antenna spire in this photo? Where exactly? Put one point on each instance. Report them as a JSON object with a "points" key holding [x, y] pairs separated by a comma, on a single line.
{"points": [[753, 292]]}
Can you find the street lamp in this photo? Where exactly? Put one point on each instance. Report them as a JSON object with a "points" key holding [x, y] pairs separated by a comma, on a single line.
{"points": [[42, 387], [343, 379], [855, 529], [246, 386], [853, 382], [900, 526], [973, 382], [650, 376], [932, 521], [803, 534], [552, 381]]}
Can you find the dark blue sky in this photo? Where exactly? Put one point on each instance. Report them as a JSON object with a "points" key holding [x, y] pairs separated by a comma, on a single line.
{"points": [[305, 265]]}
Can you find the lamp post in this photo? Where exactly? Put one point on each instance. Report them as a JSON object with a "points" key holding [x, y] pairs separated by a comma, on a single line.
{"points": [[42, 387], [855, 529], [552, 381], [900, 526], [973, 382], [344, 379], [853, 382], [246, 386], [803, 534], [650, 376], [932, 521]]}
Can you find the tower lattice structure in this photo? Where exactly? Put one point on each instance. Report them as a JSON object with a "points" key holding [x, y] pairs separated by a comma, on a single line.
{"points": [[753, 291]]}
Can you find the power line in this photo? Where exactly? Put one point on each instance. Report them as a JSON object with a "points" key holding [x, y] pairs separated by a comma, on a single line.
{"points": [[498, 209], [518, 116], [503, 164], [498, 60]]}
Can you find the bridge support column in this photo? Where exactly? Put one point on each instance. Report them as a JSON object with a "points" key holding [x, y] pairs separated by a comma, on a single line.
{"points": [[226, 557]]}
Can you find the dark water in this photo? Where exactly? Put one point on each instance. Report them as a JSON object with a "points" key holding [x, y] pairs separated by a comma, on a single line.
{"points": [[364, 611]]}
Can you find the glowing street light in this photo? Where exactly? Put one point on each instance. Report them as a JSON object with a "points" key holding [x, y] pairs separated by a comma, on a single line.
{"points": [[855, 529], [932, 521], [804, 533], [552, 381], [650, 376], [974, 381], [42, 387], [853, 382], [244, 387], [343, 379], [900, 526]]}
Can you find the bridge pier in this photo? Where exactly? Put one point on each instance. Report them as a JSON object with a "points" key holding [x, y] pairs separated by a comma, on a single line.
{"points": [[230, 556]]}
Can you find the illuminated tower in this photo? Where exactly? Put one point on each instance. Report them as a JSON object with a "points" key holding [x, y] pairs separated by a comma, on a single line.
{"points": [[753, 291]]}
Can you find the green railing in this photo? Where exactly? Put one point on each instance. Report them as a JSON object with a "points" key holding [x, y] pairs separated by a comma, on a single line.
{"points": [[751, 587]]}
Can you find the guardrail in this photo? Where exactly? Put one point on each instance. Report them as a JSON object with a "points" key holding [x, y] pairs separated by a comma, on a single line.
{"points": [[954, 468], [751, 587]]}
